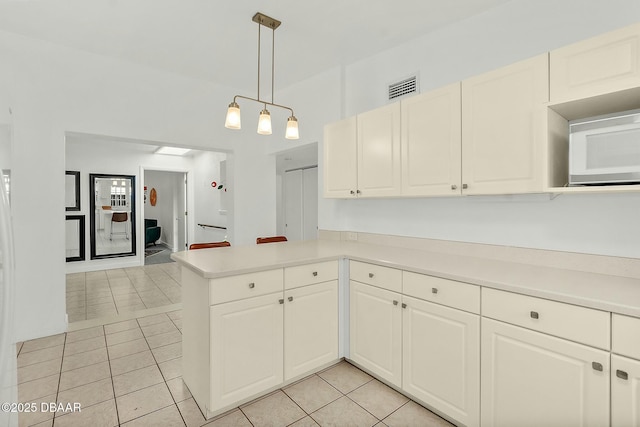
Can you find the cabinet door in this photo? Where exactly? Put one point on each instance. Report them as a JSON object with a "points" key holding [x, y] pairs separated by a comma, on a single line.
{"points": [[625, 392], [379, 152], [603, 64], [504, 128], [310, 328], [376, 331], [441, 358], [430, 142], [246, 348], [539, 380], [340, 159]]}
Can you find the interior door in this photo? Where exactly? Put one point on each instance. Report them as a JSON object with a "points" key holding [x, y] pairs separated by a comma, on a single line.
{"points": [[181, 213], [293, 213], [310, 204]]}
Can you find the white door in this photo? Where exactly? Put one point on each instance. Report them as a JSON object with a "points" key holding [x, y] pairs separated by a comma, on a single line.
{"points": [[625, 391], [310, 204], [180, 230], [375, 330], [310, 328], [441, 358], [534, 379], [340, 159], [293, 214], [246, 348]]}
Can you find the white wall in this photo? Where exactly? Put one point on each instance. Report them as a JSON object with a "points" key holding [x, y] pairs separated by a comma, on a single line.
{"points": [[207, 198], [599, 224]]}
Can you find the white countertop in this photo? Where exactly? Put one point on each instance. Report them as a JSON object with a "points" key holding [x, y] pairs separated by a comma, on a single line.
{"points": [[605, 292]]}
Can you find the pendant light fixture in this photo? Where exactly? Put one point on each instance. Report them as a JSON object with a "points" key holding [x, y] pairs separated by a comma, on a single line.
{"points": [[264, 120]]}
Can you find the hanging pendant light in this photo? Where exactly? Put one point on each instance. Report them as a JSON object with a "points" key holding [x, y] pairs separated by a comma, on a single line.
{"points": [[232, 120]]}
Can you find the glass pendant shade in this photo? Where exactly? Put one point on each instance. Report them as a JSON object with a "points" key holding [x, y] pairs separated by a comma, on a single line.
{"points": [[292, 128], [233, 117], [264, 123]]}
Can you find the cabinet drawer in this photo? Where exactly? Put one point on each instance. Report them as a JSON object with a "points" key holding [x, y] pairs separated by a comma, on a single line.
{"points": [[625, 336], [376, 275], [580, 324], [310, 274], [244, 286], [442, 291]]}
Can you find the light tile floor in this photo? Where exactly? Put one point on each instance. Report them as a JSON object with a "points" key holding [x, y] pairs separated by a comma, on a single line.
{"points": [[106, 293], [129, 374]]}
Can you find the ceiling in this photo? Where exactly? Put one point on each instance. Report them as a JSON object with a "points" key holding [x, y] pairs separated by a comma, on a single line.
{"points": [[217, 40]]}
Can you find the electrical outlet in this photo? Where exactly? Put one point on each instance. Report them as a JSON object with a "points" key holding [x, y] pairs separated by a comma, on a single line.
{"points": [[352, 235]]}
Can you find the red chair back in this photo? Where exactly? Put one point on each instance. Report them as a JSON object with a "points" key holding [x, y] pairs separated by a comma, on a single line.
{"points": [[208, 245], [273, 239]]}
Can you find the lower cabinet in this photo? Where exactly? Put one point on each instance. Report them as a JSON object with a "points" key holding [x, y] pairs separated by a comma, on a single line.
{"points": [[441, 358], [625, 392], [530, 378]]}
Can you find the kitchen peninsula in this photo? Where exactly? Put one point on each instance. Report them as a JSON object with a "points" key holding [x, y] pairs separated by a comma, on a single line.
{"points": [[561, 332]]}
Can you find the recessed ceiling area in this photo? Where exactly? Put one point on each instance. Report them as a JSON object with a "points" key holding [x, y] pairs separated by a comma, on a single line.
{"points": [[216, 40]]}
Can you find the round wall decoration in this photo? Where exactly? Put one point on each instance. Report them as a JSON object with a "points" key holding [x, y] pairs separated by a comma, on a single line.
{"points": [[153, 196]]}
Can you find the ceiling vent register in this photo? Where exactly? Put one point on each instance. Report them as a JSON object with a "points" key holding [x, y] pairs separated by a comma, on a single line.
{"points": [[403, 87]]}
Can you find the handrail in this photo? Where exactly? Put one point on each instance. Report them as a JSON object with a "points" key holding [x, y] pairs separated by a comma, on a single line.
{"points": [[212, 226]]}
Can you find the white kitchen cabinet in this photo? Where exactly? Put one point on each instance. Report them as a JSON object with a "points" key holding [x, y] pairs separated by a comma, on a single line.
{"points": [[379, 160], [310, 328], [600, 65], [375, 331], [340, 159], [625, 391], [441, 358], [504, 128], [430, 143], [536, 379], [240, 331]]}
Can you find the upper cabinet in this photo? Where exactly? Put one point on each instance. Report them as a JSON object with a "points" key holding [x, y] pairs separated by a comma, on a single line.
{"points": [[504, 128], [597, 66], [340, 158], [430, 136]]}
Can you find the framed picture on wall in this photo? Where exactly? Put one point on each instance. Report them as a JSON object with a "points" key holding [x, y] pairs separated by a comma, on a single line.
{"points": [[74, 234], [72, 190]]}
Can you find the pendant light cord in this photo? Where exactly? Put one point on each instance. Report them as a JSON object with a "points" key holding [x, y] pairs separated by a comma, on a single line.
{"points": [[273, 60], [259, 25]]}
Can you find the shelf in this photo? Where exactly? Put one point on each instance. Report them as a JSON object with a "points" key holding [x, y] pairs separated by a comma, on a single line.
{"points": [[614, 102]]}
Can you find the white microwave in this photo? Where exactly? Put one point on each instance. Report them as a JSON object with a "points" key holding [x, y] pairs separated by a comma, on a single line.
{"points": [[605, 149]]}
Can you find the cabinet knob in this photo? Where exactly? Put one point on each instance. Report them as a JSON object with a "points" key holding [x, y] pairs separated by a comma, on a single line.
{"points": [[434, 290], [370, 275], [395, 302], [534, 315], [465, 186], [281, 301], [358, 192], [454, 187], [597, 366], [352, 192], [404, 305], [290, 299], [315, 273], [622, 374], [252, 285]]}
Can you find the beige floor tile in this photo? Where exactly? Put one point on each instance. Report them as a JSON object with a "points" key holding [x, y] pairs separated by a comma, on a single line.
{"points": [[37, 356], [32, 390], [132, 362], [39, 370], [123, 290], [85, 375], [124, 336], [150, 320], [164, 339], [86, 358], [345, 377], [171, 369], [178, 323], [99, 300], [305, 422], [143, 402], [19, 347], [377, 398], [191, 413], [104, 306], [414, 415], [131, 308], [84, 345], [102, 314], [344, 412], [85, 334], [275, 409], [42, 343], [136, 380], [167, 417], [178, 389], [33, 418], [233, 418], [312, 393], [121, 326], [127, 348], [100, 415], [88, 394], [159, 302], [158, 328], [167, 352]]}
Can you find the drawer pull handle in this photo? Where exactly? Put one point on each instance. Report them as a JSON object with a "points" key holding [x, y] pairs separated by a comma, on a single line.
{"points": [[622, 374], [597, 366], [290, 299], [434, 290], [395, 302], [404, 305], [454, 187], [315, 273], [535, 315], [252, 285], [370, 275], [281, 301]]}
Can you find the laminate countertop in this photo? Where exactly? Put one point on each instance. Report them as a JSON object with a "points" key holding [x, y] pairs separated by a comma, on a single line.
{"points": [[617, 294]]}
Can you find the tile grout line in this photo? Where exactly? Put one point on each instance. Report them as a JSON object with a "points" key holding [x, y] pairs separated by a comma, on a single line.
{"points": [[113, 387]]}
